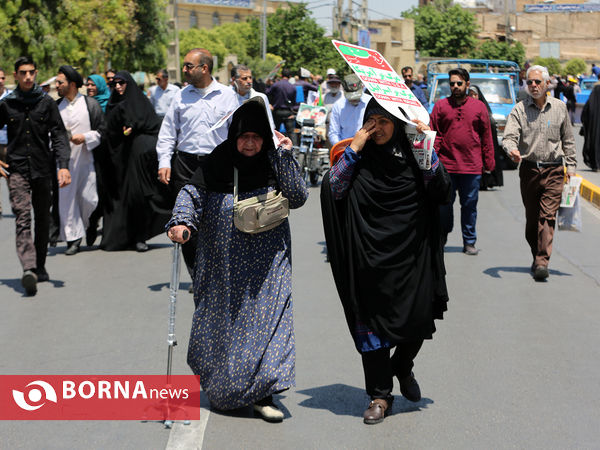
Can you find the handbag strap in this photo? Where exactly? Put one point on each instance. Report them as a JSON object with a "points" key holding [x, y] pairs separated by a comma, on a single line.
{"points": [[235, 185]]}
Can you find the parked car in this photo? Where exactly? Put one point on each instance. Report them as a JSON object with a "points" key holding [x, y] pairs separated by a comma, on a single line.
{"points": [[586, 85]]}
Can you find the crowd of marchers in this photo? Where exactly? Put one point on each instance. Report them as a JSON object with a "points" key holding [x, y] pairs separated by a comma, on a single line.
{"points": [[127, 165]]}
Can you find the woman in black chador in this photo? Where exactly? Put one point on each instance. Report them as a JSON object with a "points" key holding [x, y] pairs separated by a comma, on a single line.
{"points": [[137, 205], [590, 120], [380, 213]]}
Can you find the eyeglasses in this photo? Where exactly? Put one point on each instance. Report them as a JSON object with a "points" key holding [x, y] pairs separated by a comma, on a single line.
{"points": [[530, 82], [190, 66], [120, 82], [457, 83]]}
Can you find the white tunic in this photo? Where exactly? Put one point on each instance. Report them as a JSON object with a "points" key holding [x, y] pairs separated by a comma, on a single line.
{"points": [[78, 200]]}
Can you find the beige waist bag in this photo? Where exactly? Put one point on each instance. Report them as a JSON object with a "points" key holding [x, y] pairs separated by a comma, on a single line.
{"points": [[259, 213]]}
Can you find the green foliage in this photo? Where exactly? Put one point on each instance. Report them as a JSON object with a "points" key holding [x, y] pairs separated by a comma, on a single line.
{"points": [[552, 64], [575, 66], [443, 29], [291, 35], [500, 50], [148, 48], [202, 38], [297, 38], [88, 34]]}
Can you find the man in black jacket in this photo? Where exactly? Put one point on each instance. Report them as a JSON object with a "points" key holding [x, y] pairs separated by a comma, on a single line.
{"points": [[33, 121]]}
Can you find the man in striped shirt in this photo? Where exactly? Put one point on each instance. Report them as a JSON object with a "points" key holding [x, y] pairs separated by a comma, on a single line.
{"points": [[538, 134]]}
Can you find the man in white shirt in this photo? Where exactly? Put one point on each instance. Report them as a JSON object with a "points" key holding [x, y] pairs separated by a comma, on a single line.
{"points": [[347, 113], [84, 121], [241, 82], [161, 95], [196, 122]]}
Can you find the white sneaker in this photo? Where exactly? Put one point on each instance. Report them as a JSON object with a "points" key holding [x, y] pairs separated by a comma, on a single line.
{"points": [[268, 412]]}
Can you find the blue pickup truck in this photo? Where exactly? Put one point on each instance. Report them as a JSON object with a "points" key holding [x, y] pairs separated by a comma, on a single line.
{"points": [[498, 80]]}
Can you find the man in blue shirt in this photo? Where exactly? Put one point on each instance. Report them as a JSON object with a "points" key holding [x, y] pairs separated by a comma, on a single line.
{"points": [[282, 96], [347, 113], [161, 95], [407, 74]]}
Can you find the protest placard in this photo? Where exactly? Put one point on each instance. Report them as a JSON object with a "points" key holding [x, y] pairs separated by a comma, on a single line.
{"points": [[382, 81]]}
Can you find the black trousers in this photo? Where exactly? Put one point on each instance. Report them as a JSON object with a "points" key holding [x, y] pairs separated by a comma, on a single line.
{"points": [[380, 369], [183, 166]]}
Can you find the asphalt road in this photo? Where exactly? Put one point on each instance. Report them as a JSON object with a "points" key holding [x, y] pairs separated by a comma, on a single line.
{"points": [[515, 363]]}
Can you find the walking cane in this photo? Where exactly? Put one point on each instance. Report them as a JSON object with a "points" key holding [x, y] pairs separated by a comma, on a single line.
{"points": [[171, 340]]}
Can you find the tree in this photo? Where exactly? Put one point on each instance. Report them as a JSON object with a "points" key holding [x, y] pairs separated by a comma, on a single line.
{"points": [[88, 34], [443, 29], [148, 48], [552, 64], [500, 50], [297, 38], [575, 66]]}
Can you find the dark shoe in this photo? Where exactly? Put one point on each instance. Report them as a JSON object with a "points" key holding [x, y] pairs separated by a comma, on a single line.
{"points": [[141, 247], [73, 247], [42, 275], [266, 409], [29, 282], [90, 235], [377, 411], [540, 273], [410, 388], [470, 250]]}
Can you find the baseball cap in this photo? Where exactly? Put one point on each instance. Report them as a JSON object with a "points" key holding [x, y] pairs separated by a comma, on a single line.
{"points": [[334, 78], [331, 71], [353, 87], [304, 73]]}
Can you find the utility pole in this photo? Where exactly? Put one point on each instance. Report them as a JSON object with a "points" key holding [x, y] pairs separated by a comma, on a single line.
{"points": [[364, 15], [337, 18], [173, 66]]}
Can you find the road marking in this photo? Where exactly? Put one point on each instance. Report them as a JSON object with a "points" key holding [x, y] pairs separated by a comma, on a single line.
{"points": [[187, 437]]}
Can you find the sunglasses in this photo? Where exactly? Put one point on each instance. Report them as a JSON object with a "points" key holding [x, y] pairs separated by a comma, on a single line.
{"points": [[456, 83], [190, 66], [530, 82], [120, 82]]}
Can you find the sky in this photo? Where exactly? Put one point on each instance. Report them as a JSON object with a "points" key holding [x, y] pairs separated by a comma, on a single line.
{"points": [[322, 10]]}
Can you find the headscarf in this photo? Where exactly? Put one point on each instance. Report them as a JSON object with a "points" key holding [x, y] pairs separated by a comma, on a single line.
{"points": [[136, 111], [72, 75], [103, 92], [590, 121], [383, 240], [215, 173]]}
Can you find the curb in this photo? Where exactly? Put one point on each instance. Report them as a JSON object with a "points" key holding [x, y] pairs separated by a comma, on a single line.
{"points": [[590, 192]]}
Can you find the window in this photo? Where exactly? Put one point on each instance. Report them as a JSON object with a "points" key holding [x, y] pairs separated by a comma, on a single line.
{"points": [[193, 20], [216, 19], [236, 18]]}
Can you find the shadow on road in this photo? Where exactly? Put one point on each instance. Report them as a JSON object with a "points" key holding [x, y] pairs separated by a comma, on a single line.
{"points": [[160, 286], [344, 400], [15, 284], [449, 249], [495, 271]]}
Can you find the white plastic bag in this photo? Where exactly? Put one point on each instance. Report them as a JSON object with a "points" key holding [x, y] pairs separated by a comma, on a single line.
{"points": [[570, 192], [569, 217]]}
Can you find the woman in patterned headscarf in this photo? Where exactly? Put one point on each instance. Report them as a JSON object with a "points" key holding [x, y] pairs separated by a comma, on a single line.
{"points": [[242, 338]]}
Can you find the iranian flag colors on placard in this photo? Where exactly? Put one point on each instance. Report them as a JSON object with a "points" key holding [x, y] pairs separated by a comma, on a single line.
{"points": [[384, 84]]}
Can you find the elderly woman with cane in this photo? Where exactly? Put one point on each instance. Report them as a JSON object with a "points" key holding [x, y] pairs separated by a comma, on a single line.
{"points": [[242, 337], [382, 226]]}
